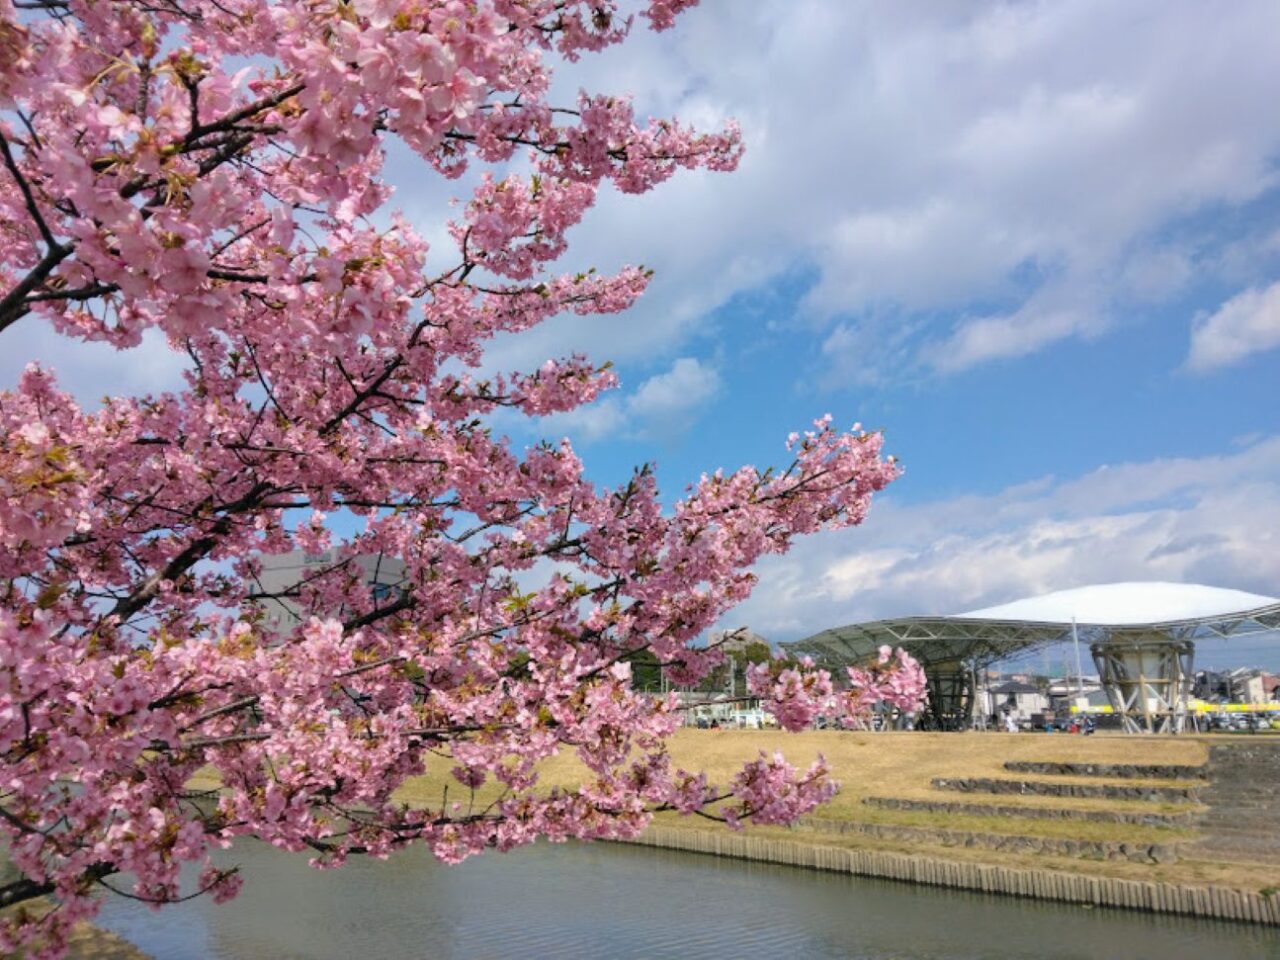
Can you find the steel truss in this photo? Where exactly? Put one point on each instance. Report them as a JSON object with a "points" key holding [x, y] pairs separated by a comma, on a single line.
{"points": [[1147, 677], [1150, 694], [951, 696]]}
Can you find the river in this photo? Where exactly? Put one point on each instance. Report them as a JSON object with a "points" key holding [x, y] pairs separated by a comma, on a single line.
{"points": [[608, 900]]}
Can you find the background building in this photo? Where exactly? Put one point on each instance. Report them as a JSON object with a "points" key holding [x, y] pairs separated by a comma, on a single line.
{"points": [[1016, 697], [285, 575]]}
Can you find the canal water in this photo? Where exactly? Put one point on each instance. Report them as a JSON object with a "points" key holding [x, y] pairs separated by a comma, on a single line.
{"points": [[608, 900]]}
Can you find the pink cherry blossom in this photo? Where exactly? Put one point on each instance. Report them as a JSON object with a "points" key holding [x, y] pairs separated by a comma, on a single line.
{"points": [[213, 170]]}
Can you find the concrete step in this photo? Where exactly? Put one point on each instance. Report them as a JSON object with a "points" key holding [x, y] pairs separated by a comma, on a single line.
{"points": [[1229, 853], [1230, 828], [1047, 788], [1247, 808], [1260, 819], [1224, 795], [1135, 851], [1121, 771], [980, 809]]}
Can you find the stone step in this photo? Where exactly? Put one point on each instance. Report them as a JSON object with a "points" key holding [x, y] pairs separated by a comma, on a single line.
{"points": [[1224, 795], [1253, 804], [1046, 788], [1135, 851], [1234, 782], [1260, 827], [1122, 771], [1230, 836], [1229, 853], [1244, 828], [1262, 820], [1144, 818]]}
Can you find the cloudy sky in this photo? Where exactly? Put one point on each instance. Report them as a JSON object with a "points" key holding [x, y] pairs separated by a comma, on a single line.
{"points": [[1037, 243]]}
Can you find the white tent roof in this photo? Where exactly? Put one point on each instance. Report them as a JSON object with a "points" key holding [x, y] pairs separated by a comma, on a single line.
{"points": [[1126, 603]]}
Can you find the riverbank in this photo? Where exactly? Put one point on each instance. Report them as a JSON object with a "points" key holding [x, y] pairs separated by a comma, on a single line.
{"points": [[87, 942], [1183, 825], [93, 943], [1103, 813], [1105, 819]]}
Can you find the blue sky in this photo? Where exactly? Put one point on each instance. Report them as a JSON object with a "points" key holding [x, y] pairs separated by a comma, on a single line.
{"points": [[1038, 243]]}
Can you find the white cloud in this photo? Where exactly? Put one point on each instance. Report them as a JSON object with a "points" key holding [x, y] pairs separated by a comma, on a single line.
{"points": [[1212, 520], [601, 420], [90, 370], [664, 398], [662, 407], [916, 161], [1248, 323], [875, 256], [915, 158], [1157, 274], [946, 156], [1052, 314]]}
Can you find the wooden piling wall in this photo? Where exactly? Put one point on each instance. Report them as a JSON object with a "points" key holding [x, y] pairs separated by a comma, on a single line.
{"points": [[1221, 903]]}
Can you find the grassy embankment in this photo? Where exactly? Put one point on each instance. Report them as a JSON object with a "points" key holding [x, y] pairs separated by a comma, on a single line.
{"points": [[87, 942], [903, 765]]}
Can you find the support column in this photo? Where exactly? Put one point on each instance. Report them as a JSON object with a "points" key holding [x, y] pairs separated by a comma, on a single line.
{"points": [[950, 705], [1147, 677]]}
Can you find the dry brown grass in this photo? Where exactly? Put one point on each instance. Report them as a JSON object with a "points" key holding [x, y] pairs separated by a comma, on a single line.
{"points": [[879, 764], [904, 765], [865, 764]]}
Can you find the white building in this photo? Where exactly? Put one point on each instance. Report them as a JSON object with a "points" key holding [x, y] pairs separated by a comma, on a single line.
{"points": [[1016, 697]]}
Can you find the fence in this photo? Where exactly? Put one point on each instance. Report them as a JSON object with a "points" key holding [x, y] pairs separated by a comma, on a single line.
{"points": [[1223, 903]]}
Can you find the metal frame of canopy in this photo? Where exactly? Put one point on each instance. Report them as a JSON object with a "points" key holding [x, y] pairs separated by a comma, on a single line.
{"points": [[1145, 668]]}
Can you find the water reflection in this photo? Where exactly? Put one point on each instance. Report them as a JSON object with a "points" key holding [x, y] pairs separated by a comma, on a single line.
{"points": [[605, 900]]}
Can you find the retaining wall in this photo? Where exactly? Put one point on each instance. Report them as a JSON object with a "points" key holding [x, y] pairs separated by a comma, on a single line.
{"points": [[1152, 819], [1137, 771], [1217, 902], [1243, 819], [1135, 851], [1043, 788]]}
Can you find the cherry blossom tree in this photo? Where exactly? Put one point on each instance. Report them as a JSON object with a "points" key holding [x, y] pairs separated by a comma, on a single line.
{"points": [[213, 169]]}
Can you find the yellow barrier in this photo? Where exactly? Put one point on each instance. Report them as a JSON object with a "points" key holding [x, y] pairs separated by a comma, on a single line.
{"points": [[1271, 706], [1203, 706]]}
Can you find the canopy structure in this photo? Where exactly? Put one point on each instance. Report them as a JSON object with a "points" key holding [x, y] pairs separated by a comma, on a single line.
{"points": [[1142, 637]]}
